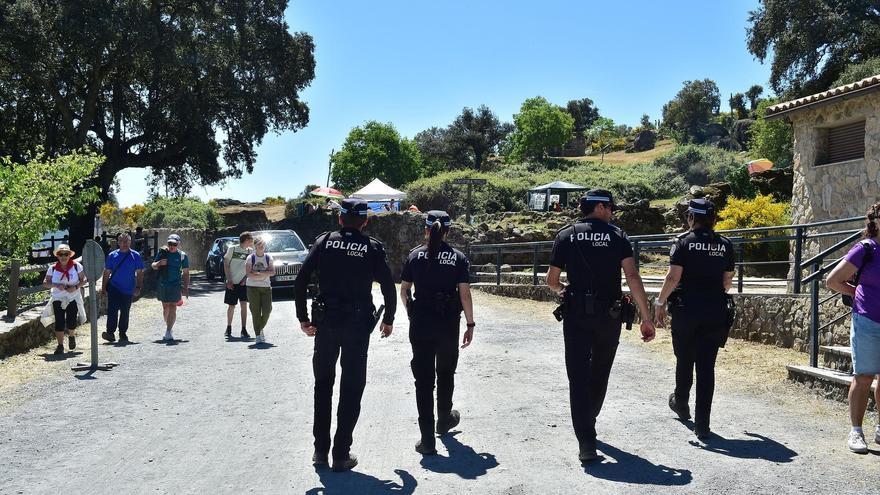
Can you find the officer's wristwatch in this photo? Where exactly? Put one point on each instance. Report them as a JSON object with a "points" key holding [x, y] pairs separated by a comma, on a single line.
{"points": [[659, 303], [471, 325]]}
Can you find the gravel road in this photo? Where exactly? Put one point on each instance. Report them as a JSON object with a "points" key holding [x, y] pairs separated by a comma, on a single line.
{"points": [[210, 416]]}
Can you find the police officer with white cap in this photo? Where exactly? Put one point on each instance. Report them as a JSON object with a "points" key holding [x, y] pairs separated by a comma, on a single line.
{"points": [[701, 268], [347, 262], [441, 276], [592, 252]]}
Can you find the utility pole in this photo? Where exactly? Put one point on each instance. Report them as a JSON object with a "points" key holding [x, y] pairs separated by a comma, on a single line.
{"points": [[330, 166]]}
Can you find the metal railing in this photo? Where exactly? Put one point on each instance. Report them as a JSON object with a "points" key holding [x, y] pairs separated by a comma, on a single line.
{"points": [[801, 273]]}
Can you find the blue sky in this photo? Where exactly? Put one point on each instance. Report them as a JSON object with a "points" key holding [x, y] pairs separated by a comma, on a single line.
{"points": [[416, 64]]}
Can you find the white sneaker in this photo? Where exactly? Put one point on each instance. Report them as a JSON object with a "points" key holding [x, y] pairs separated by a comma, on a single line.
{"points": [[168, 335], [263, 337], [877, 434], [857, 443]]}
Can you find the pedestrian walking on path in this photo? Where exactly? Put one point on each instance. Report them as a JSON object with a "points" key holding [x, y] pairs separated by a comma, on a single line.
{"points": [[857, 277], [65, 308], [346, 262], [172, 265], [593, 251], [260, 268], [234, 262], [701, 265], [122, 281], [441, 277]]}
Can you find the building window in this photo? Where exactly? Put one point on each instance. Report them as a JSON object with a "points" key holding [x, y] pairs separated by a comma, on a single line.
{"points": [[841, 143]]}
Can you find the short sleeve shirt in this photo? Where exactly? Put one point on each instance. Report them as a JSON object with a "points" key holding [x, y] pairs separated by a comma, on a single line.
{"points": [[124, 267], [237, 258], [259, 264], [867, 300], [704, 257], [172, 273], [449, 268], [59, 277], [591, 252]]}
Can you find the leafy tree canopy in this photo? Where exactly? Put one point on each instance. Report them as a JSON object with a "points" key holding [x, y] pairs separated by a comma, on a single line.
{"points": [[692, 108], [810, 42], [465, 143], [375, 150], [584, 113], [35, 194], [151, 84], [857, 72], [771, 139], [737, 104], [540, 127]]}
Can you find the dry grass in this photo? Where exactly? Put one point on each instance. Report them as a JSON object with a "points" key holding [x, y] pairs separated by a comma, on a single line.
{"points": [[622, 158], [275, 213]]}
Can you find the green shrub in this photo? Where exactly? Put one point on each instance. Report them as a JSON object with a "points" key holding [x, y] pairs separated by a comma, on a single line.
{"points": [[438, 192], [740, 185], [188, 212], [771, 139], [700, 165], [274, 201]]}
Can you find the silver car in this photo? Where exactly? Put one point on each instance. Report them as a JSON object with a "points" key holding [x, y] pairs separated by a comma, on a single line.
{"points": [[288, 251]]}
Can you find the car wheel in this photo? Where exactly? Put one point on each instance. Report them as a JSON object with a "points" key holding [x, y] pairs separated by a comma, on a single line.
{"points": [[208, 273]]}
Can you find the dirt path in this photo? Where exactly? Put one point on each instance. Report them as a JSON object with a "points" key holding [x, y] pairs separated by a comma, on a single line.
{"points": [[210, 416]]}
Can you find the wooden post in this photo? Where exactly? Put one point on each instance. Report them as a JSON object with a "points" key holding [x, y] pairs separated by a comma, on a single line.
{"points": [[12, 302]]}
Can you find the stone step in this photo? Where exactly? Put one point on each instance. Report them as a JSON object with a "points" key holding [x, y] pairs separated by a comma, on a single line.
{"points": [[831, 384], [837, 357]]}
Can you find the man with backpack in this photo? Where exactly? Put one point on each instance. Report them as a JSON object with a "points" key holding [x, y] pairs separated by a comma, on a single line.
{"points": [[172, 266], [122, 281]]}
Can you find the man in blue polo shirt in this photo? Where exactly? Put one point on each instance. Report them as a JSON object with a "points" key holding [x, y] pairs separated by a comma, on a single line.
{"points": [[122, 281]]}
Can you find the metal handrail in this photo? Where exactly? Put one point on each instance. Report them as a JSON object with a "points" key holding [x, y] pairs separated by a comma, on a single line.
{"points": [[821, 256]]}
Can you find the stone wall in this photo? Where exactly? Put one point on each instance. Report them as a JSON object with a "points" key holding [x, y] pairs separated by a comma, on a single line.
{"points": [[783, 320]]}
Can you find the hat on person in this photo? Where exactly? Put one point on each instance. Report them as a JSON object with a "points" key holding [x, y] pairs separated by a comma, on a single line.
{"points": [[435, 215], [174, 238], [64, 248], [354, 207], [598, 196], [701, 206]]}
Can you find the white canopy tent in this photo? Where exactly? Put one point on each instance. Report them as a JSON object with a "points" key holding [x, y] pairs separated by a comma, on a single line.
{"points": [[379, 191]]}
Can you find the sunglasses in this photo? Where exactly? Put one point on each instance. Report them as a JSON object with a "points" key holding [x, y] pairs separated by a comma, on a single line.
{"points": [[63, 255], [172, 243]]}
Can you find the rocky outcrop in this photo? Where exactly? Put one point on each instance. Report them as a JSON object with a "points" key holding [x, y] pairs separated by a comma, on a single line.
{"points": [[640, 218], [777, 182], [645, 140], [255, 216], [741, 132]]}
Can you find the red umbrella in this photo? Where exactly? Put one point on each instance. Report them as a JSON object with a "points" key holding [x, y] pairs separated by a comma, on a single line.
{"points": [[327, 192]]}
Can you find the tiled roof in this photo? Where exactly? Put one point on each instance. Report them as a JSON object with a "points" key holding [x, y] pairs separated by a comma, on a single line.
{"points": [[868, 84]]}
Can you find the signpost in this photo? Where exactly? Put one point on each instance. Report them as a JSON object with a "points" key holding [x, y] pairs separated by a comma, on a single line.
{"points": [[470, 184], [93, 265]]}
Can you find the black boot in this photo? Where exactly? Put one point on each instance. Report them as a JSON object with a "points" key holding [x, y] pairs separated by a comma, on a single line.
{"points": [[447, 421], [346, 463], [71, 342], [426, 446], [123, 338], [108, 336], [682, 410], [320, 458], [59, 350], [587, 451]]}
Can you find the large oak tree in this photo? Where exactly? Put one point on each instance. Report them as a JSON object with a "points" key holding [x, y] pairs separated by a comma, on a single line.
{"points": [[170, 85]]}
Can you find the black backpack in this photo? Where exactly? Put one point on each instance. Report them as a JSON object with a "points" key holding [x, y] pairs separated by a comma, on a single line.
{"points": [[869, 253]]}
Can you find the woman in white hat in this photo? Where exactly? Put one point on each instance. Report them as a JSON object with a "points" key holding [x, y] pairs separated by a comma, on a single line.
{"points": [[66, 309]]}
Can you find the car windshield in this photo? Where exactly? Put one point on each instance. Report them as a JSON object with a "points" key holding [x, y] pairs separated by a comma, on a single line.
{"points": [[279, 243]]}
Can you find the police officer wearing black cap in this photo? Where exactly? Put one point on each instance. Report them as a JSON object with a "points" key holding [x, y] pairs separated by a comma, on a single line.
{"points": [[441, 277], [347, 262], [701, 269], [592, 252]]}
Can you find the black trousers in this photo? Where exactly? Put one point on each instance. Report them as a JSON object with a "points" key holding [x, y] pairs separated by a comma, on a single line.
{"points": [[118, 309], [348, 337], [65, 319], [696, 337], [590, 346], [435, 354]]}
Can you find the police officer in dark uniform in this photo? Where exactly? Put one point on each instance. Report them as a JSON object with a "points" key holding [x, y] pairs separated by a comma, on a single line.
{"points": [[592, 252], [700, 273], [347, 262], [441, 277]]}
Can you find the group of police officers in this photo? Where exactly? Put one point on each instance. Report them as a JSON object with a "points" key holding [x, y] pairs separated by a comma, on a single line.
{"points": [[592, 252]]}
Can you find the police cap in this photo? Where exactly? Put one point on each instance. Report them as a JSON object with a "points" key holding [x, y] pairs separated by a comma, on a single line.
{"points": [[598, 196], [354, 207], [435, 215], [701, 206]]}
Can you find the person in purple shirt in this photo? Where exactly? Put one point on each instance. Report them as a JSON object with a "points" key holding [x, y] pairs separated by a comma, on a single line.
{"points": [[863, 259]]}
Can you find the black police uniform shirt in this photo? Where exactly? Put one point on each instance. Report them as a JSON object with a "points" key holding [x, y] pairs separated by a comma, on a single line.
{"points": [[704, 257], [449, 268], [604, 247], [347, 261]]}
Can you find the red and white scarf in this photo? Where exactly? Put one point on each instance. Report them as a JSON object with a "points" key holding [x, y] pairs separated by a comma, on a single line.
{"points": [[65, 272]]}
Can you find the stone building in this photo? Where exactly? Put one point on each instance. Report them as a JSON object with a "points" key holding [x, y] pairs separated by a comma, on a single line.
{"points": [[836, 150]]}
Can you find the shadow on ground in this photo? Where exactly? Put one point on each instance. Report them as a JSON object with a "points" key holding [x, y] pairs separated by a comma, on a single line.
{"points": [[463, 460], [48, 356], [617, 465], [352, 482], [759, 447]]}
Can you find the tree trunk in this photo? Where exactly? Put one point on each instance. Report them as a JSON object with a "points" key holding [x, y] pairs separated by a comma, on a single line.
{"points": [[82, 227]]}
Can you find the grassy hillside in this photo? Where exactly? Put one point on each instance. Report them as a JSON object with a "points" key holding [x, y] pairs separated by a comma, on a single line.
{"points": [[622, 158]]}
